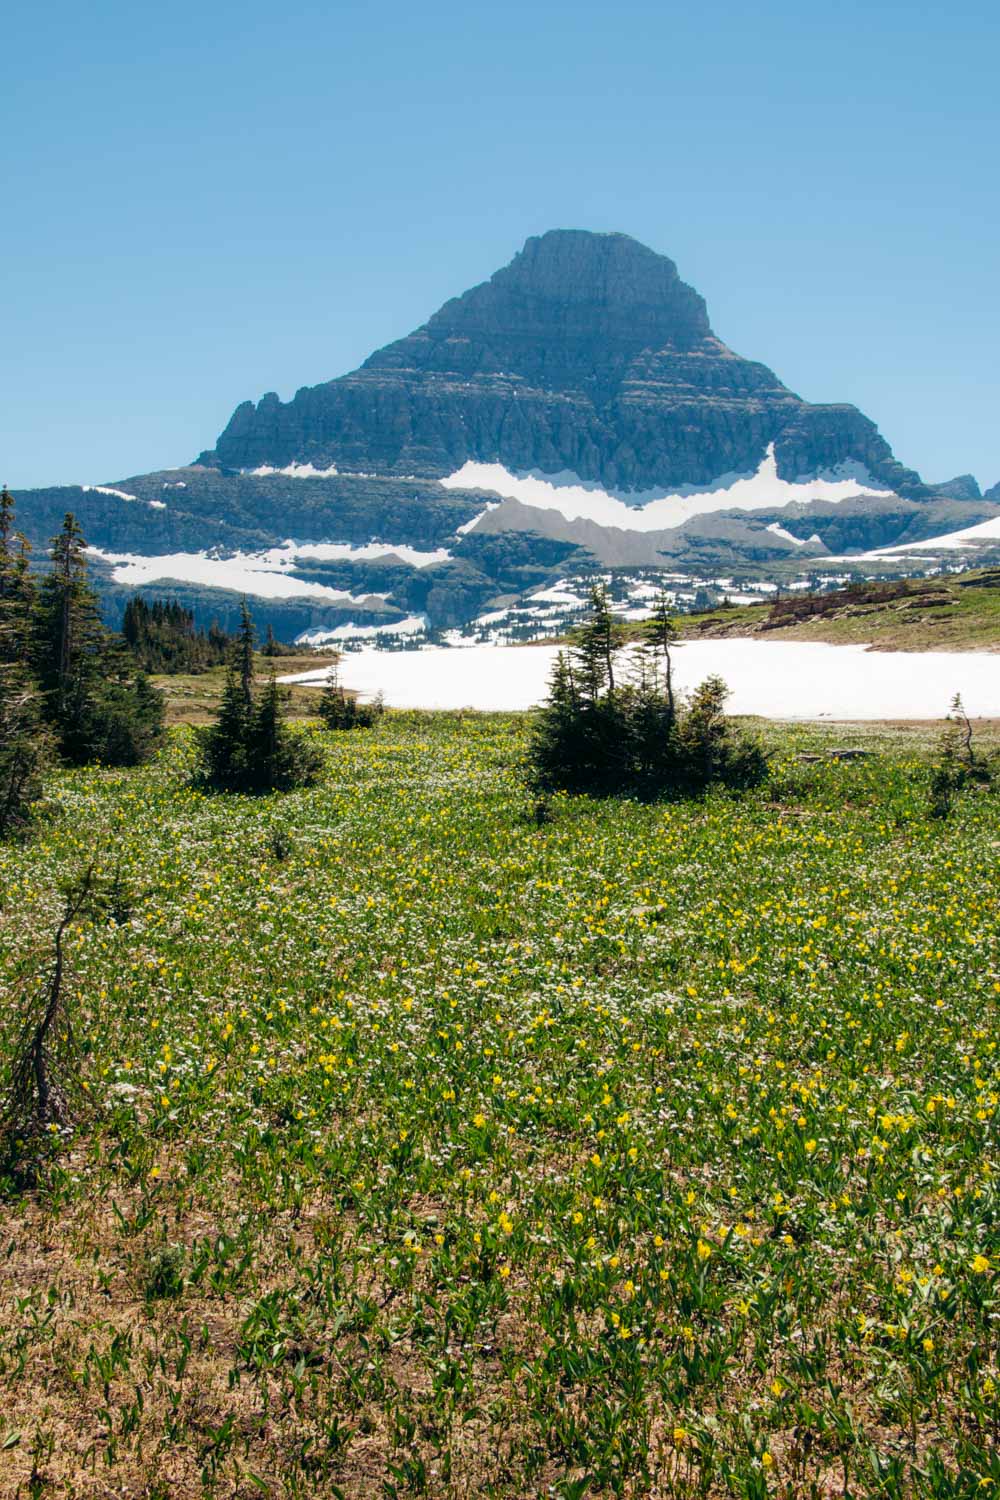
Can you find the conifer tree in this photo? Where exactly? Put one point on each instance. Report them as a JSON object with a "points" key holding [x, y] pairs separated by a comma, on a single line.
{"points": [[660, 636], [599, 640], [250, 747], [611, 732], [22, 741], [339, 711], [96, 710], [245, 639]]}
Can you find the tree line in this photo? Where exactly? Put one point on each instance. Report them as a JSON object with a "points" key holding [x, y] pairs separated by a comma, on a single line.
{"points": [[69, 689]]}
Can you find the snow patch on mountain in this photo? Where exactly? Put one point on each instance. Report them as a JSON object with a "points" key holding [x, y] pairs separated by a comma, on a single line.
{"points": [[655, 510], [287, 554], [295, 471], [106, 489], [412, 625], [779, 530], [241, 574], [970, 536]]}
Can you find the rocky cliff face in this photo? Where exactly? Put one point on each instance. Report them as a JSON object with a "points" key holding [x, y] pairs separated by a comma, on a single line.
{"points": [[587, 353]]}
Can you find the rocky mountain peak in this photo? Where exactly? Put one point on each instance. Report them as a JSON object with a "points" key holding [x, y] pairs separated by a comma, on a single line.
{"points": [[586, 353], [572, 278]]}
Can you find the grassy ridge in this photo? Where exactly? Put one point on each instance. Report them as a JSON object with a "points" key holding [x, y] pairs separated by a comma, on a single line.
{"points": [[649, 1151], [959, 613]]}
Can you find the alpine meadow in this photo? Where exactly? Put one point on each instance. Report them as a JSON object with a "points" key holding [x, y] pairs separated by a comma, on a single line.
{"points": [[423, 1146]]}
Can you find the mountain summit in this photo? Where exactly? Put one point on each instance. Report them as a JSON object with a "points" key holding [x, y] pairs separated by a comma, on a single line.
{"points": [[587, 354]]}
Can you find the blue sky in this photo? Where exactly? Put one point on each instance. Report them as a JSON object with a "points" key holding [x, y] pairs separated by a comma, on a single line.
{"points": [[206, 202]]}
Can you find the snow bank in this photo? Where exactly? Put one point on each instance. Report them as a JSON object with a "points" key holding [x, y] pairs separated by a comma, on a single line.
{"points": [[778, 680], [971, 536], [658, 510]]}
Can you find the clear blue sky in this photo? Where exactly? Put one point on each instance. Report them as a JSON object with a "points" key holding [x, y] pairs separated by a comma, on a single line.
{"points": [[203, 202]]}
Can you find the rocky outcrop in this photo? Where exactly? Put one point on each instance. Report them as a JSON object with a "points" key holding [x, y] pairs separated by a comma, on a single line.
{"points": [[962, 487], [587, 353]]}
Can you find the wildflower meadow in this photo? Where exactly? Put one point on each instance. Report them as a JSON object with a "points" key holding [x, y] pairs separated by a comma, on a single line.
{"points": [[426, 1146]]}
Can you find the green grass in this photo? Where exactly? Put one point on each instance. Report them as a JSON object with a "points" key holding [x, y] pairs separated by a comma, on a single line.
{"points": [[193, 698], [650, 1151], [958, 613]]}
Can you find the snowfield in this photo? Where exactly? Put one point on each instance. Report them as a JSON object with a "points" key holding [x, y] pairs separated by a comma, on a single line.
{"points": [[266, 575], [412, 625], [657, 510], [971, 536], [775, 679], [241, 574]]}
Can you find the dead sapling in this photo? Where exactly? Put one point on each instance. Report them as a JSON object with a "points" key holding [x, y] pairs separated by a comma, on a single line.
{"points": [[45, 1068]]}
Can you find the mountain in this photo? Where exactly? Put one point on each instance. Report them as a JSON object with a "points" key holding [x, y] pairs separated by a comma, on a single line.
{"points": [[588, 354], [575, 411]]}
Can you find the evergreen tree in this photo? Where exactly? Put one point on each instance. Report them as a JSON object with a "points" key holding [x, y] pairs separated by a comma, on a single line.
{"points": [[245, 639], [606, 732], [68, 640], [22, 740], [22, 751], [96, 709], [250, 747], [224, 744], [17, 589], [162, 637], [660, 636], [599, 640], [278, 759]]}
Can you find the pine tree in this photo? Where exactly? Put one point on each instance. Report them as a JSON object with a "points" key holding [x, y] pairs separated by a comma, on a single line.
{"points": [[250, 747], [338, 711], [244, 662], [611, 733], [22, 750], [68, 640], [660, 636], [96, 709], [599, 640], [23, 746], [278, 759]]}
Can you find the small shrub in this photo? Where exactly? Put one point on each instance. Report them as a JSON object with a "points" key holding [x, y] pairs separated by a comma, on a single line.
{"points": [[164, 1272], [338, 710], [958, 766]]}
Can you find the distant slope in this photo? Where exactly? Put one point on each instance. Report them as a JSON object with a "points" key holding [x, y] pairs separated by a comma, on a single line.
{"points": [[959, 613]]}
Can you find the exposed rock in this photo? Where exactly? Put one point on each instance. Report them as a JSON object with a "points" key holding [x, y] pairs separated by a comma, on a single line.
{"points": [[587, 353], [962, 487]]}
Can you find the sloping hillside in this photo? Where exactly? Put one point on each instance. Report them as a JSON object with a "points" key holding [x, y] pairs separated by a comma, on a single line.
{"points": [[960, 613]]}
